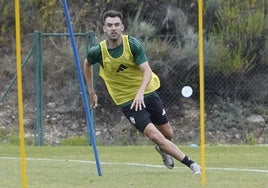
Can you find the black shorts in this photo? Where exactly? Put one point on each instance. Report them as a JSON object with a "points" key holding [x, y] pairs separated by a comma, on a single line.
{"points": [[153, 113]]}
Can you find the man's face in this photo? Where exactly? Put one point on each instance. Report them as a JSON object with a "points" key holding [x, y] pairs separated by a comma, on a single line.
{"points": [[113, 27]]}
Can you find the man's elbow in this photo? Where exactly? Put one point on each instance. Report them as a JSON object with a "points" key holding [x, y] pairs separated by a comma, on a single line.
{"points": [[149, 72], [87, 65], [86, 62]]}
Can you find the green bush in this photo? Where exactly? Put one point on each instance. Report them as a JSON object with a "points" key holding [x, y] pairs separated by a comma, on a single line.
{"points": [[238, 35], [10, 137], [250, 139], [75, 141]]}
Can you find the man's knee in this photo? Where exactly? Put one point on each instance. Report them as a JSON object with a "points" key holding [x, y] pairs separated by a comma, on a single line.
{"points": [[167, 131], [153, 133]]}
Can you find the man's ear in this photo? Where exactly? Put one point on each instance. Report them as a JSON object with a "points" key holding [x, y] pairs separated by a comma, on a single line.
{"points": [[123, 27], [104, 29]]}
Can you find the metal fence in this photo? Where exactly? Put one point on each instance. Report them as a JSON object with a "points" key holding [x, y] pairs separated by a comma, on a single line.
{"points": [[235, 103], [54, 110]]}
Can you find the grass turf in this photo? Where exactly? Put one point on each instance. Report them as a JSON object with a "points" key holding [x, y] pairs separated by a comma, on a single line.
{"points": [[132, 166]]}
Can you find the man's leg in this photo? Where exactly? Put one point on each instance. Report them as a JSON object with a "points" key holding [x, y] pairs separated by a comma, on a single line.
{"points": [[166, 130], [169, 147], [164, 144]]}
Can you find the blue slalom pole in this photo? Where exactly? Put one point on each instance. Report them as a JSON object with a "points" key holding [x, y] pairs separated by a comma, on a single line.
{"points": [[82, 87]]}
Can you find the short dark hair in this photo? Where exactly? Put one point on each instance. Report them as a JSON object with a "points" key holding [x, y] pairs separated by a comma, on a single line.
{"points": [[111, 13]]}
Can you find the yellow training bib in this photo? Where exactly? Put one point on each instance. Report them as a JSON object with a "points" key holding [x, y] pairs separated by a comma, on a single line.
{"points": [[122, 76]]}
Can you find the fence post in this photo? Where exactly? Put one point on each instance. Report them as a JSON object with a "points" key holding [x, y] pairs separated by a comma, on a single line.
{"points": [[38, 89]]}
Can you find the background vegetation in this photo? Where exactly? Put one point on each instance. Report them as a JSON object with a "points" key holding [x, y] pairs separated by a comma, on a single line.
{"points": [[235, 53]]}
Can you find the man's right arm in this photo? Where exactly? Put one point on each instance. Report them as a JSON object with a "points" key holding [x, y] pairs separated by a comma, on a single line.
{"points": [[88, 73]]}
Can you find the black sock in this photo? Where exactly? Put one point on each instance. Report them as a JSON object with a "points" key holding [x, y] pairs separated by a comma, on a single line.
{"points": [[187, 161]]}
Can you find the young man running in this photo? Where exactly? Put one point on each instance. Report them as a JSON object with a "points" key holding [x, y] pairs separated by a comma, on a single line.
{"points": [[132, 85]]}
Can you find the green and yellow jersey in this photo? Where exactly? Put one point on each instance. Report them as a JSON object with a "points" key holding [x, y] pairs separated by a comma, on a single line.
{"points": [[120, 69]]}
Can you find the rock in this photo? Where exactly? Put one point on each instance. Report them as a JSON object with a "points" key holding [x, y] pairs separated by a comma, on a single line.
{"points": [[51, 105], [255, 119]]}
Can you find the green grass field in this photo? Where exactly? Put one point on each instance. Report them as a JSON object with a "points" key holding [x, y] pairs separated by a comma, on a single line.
{"points": [[132, 166]]}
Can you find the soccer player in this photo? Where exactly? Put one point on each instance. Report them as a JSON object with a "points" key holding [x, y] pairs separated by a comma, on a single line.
{"points": [[132, 85]]}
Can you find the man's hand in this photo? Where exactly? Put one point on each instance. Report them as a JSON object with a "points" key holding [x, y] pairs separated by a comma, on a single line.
{"points": [[93, 100], [138, 102]]}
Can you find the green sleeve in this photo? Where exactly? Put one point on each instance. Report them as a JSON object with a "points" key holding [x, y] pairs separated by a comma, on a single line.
{"points": [[137, 50], [94, 55]]}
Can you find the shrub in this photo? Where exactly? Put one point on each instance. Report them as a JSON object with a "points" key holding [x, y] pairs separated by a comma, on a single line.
{"points": [[75, 141], [238, 35]]}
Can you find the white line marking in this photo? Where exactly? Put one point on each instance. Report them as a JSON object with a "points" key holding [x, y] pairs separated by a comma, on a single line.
{"points": [[133, 164], [239, 169]]}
